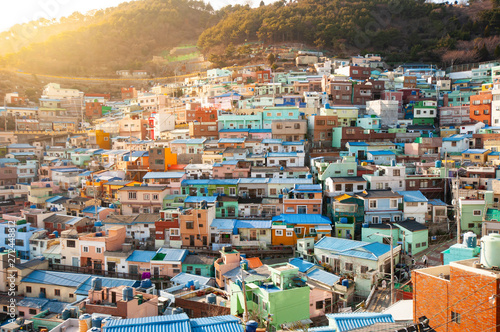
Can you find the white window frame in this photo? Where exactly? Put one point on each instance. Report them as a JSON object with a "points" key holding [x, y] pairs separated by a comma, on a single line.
{"points": [[278, 232]]}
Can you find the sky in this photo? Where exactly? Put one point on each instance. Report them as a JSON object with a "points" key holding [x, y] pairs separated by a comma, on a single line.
{"points": [[22, 11]]}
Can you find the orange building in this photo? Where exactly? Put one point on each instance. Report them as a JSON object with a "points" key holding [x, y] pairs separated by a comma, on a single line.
{"points": [[94, 245], [480, 107], [287, 228], [304, 199], [230, 259], [195, 226], [93, 110]]}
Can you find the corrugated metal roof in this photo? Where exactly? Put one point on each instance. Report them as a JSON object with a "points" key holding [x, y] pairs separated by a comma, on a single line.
{"points": [[338, 244], [199, 199], [350, 321], [413, 196], [172, 254], [56, 278], [223, 224], [324, 277], [183, 278], [164, 175], [143, 256], [253, 224], [381, 153], [303, 219], [106, 282], [168, 323], [216, 324], [303, 265]]}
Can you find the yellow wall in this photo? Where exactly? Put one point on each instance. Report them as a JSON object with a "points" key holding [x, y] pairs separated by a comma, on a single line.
{"points": [[170, 158], [100, 139]]}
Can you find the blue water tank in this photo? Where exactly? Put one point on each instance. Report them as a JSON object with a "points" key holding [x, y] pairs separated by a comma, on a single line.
{"points": [[111, 206], [66, 314], [343, 220], [243, 255], [53, 209], [98, 223], [189, 284], [146, 283], [345, 283], [98, 234], [97, 321], [33, 206], [211, 299], [177, 311], [393, 163], [56, 234], [96, 283], [94, 329], [366, 225], [47, 185], [251, 326], [128, 293], [438, 164]]}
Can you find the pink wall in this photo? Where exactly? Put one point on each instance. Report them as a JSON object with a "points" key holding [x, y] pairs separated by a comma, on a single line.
{"points": [[315, 295]]}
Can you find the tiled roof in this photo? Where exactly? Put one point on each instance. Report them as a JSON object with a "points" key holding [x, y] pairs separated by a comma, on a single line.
{"points": [[351, 321]]}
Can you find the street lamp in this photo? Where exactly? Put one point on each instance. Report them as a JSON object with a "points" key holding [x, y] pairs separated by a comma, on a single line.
{"points": [[392, 259]]}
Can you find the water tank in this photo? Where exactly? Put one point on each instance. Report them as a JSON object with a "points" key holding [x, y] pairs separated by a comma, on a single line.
{"points": [[251, 326], [189, 284], [345, 283], [33, 206], [343, 220], [53, 209], [111, 206], [470, 240], [196, 284], [490, 247], [66, 314], [128, 293], [98, 234], [438, 164], [96, 284], [211, 299], [393, 162], [98, 223], [84, 322], [146, 283], [364, 163], [96, 321], [56, 234]]}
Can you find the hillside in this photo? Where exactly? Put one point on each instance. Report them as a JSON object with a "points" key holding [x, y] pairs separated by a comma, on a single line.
{"points": [[405, 30], [124, 37]]}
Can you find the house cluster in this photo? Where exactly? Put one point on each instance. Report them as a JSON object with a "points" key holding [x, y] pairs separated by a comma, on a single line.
{"points": [[275, 197]]}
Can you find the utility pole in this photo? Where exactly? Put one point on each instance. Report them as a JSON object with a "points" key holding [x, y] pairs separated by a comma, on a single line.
{"points": [[243, 286], [457, 210]]}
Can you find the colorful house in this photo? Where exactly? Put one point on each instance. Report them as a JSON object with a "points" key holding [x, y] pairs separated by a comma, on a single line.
{"points": [[287, 228]]}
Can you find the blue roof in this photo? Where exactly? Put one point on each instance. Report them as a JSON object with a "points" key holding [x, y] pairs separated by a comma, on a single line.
{"points": [[357, 144], [281, 154], [475, 151], [272, 141], [457, 137], [293, 143], [8, 160], [42, 304], [307, 188], [139, 154], [183, 278], [22, 153], [189, 141], [253, 224], [53, 199], [20, 146], [303, 219], [205, 182], [173, 255], [260, 130], [199, 199], [64, 279], [223, 224], [338, 244], [381, 153], [164, 175], [67, 170], [228, 94], [232, 140], [166, 323], [438, 202], [324, 277], [216, 324], [253, 180], [303, 265], [92, 209], [144, 256], [106, 282], [351, 321], [235, 130], [413, 196]]}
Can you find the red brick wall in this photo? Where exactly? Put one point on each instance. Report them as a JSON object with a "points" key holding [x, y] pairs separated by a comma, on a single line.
{"points": [[436, 298], [201, 309]]}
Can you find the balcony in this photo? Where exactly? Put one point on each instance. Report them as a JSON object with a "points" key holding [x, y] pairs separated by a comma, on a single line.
{"points": [[137, 168]]}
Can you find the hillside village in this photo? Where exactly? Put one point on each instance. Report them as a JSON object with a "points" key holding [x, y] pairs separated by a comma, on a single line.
{"points": [[327, 195]]}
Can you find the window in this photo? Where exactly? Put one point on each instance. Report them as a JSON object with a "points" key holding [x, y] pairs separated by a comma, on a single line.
{"points": [[189, 225], [364, 269], [85, 249], [132, 195], [319, 305], [278, 232], [232, 191], [272, 191], [32, 311], [43, 291], [57, 292], [455, 317], [71, 244], [396, 172], [394, 203], [146, 197], [289, 233], [375, 220], [350, 172], [348, 266], [98, 250], [477, 212], [298, 230], [373, 204], [21, 313], [28, 289], [155, 197]]}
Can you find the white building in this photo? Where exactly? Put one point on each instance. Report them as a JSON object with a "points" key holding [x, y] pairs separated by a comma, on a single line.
{"points": [[414, 205], [54, 91], [457, 143], [386, 177], [386, 110]]}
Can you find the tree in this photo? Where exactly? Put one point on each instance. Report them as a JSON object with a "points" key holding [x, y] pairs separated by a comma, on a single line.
{"points": [[483, 53], [230, 50], [271, 58], [262, 3], [497, 51]]}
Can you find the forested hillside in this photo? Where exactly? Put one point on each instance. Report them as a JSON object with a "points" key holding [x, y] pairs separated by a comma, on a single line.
{"points": [[124, 37], [402, 30]]}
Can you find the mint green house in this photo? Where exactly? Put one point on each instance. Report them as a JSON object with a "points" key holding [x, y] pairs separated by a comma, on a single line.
{"points": [[324, 170], [283, 294], [213, 187], [199, 265], [459, 252], [173, 201], [473, 211], [227, 207], [348, 214], [412, 235]]}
